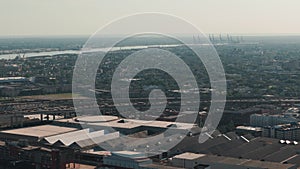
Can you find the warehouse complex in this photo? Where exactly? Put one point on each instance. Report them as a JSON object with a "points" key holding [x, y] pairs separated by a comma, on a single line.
{"points": [[81, 142]]}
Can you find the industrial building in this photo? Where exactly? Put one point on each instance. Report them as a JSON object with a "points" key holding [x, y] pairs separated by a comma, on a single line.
{"points": [[65, 143], [285, 131], [239, 117], [22, 86], [16, 154], [14, 80], [127, 159], [186, 160], [261, 120], [243, 130], [205, 161], [34, 134], [80, 141], [124, 126]]}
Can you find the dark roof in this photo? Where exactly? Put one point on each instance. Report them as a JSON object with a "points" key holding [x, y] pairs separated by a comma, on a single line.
{"points": [[249, 136], [283, 154], [259, 148], [232, 135], [248, 150], [295, 160], [260, 152], [218, 145], [211, 159], [244, 111], [221, 149], [191, 144]]}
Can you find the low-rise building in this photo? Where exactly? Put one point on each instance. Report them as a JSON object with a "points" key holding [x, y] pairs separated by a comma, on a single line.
{"points": [[243, 130], [205, 161], [261, 120], [285, 131], [127, 159], [239, 117], [186, 160]]}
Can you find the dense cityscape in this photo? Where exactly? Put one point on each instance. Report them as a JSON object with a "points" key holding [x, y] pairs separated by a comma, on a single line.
{"points": [[259, 128], [160, 84]]}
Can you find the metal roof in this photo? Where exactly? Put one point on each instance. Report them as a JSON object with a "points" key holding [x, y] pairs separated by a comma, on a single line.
{"points": [[94, 140], [212, 159], [112, 121], [66, 136], [38, 131], [189, 156]]}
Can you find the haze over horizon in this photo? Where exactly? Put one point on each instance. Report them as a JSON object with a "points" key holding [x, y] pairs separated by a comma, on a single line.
{"points": [[84, 17]]}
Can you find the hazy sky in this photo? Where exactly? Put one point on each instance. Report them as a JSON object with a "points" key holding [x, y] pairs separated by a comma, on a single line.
{"points": [[84, 17]]}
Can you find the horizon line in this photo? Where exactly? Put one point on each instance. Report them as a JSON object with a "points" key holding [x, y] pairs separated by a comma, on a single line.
{"points": [[116, 35]]}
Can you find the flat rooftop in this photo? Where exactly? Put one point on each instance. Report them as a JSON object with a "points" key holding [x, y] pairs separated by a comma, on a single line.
{"points": [[127, 152], [79, 166], [189, 156], [160, 166], [113, 121], [39, 131], [249, 128], [131, 155], [96, 119], [161, 124], [12, 78], [211, 159]]}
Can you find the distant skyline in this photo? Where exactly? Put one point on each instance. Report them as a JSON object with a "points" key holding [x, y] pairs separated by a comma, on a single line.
{"points": [[84, 17]]}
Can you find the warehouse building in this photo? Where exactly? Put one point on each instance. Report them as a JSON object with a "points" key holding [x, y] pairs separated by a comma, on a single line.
{"points": [[284, 131], [126, 159], [34, 134], [125, 126], [261, 120], [192, 160]]}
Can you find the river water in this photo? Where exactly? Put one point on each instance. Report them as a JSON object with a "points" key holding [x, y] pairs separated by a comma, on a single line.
{"points": [[52, 53]]}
